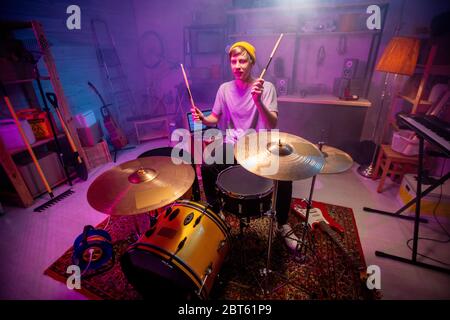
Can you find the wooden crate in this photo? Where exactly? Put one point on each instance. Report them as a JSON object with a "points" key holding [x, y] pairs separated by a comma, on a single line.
{"points": [[98, 154]]}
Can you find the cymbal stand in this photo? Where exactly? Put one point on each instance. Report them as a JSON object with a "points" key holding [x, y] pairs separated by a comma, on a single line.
{"points": [[266, 272], [302, 249]]}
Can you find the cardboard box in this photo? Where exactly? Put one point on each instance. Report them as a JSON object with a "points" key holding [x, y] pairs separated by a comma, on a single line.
{"points": [[407, 192]]}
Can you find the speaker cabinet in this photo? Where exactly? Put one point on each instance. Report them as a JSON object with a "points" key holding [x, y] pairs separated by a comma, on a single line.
{"points": [[282, 86], [350, 68]]}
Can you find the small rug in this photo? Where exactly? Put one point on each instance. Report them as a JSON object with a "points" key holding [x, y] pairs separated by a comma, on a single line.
{"points": [[323, 273]]}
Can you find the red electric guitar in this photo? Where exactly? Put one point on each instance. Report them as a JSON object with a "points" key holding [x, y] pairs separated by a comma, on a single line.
{"points": [[319, 219]]}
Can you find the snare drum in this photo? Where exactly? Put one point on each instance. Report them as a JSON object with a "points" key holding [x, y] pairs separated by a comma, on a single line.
{"points": [[181, 255], [243, 193]]}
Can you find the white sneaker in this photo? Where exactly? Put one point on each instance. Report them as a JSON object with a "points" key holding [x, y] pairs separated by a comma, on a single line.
{"points": [[289, 236]]}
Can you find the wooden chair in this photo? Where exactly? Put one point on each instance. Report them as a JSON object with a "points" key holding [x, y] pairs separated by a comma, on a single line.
{"points": [[393, 163]]}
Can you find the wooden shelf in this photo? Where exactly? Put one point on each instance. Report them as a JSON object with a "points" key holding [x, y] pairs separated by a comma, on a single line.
{"points": [[303, 34], [437, 70], [18, 81], [24, 196], [325, 99], [303, 7], [411, 100], [36, 144]]}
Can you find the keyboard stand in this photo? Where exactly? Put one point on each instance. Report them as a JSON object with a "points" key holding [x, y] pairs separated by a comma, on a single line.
{"points": [[417, 219]]}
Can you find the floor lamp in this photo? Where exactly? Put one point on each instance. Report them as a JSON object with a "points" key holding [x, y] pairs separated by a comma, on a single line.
{"points": [[399, 57]]}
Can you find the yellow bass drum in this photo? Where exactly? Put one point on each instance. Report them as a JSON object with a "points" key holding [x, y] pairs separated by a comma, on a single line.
{"points": [[181, 255]]}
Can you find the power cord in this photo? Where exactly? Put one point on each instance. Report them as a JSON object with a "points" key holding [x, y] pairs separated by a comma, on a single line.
{"points": [[440, 225], [91, 254]]}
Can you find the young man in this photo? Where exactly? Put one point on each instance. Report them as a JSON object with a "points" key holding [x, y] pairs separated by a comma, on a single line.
{"points": [[245, 103]]}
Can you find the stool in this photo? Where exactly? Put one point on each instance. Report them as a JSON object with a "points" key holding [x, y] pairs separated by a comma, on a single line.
{"points": [[393, 163]]}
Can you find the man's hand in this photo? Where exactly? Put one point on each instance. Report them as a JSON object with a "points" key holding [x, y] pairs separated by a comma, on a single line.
{"points": [[257, 90], [197, 115]]}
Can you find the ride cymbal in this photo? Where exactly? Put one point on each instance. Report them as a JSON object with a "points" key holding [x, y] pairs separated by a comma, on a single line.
{"points": [[140, 185], [278, 155], [336, 161]]}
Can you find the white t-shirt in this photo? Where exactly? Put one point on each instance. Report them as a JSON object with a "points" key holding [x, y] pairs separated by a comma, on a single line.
{"points": [[237, 110]]}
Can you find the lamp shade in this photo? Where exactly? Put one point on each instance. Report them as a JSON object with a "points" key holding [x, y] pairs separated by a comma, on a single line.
{"points": [[400, 56]]}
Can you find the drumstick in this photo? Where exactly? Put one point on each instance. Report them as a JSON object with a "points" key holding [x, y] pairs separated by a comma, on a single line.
{"points": [[187, 85], [271, 55]]}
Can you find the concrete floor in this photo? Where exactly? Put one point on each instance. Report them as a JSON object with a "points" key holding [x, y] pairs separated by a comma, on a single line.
{"points": [[31, 241]]}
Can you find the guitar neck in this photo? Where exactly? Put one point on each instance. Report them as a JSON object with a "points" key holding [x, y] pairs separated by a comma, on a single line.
{"points": [[337, 240]]}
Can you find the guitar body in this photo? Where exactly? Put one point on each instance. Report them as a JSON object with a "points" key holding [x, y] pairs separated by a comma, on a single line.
{"points": [[116, 135], [319, 219], [319, 215]]}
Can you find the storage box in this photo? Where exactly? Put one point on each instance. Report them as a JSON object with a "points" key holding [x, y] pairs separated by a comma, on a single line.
{"points": [[91, 135], [98, 154], [405, 142], [53, 171], [89, 130], [407, 192], [11, 137], [85, 120], [39, 122]]}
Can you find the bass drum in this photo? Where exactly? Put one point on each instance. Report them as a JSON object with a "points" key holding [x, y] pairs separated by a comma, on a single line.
{"points": [[181, 255]]}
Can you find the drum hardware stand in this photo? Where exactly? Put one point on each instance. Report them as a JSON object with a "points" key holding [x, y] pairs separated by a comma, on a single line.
{"points": [[207, 273], [302, 246], [302, 249], [266, 272], [305, 225]]}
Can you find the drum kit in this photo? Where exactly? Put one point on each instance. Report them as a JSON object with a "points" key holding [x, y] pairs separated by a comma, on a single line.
{"points": [[188, 244]]}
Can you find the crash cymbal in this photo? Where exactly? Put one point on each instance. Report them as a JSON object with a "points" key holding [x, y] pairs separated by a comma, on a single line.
{"points": [[336, 160], [140, 185], [278, 155]]}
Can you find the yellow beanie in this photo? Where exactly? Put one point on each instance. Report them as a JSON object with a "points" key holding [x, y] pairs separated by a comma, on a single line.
{"points": [[247, 46]]}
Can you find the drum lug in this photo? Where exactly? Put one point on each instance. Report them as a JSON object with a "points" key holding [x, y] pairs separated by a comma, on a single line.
{"points": [[197, 221], [208, 271], [168, 263], [221, 244]]}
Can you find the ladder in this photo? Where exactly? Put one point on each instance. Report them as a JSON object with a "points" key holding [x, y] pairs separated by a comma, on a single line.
{"points": [[112, 66]]}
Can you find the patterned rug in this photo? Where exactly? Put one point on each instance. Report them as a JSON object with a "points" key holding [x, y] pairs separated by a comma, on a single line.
{"points": [[323, 273]]}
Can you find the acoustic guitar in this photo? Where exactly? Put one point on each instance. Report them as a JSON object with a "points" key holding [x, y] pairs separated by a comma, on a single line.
{"points": [[116, 135]]}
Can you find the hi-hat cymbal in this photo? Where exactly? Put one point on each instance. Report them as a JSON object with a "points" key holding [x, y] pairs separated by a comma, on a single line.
{"points": [[278, 155], [336, 160], [140, 185]]}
